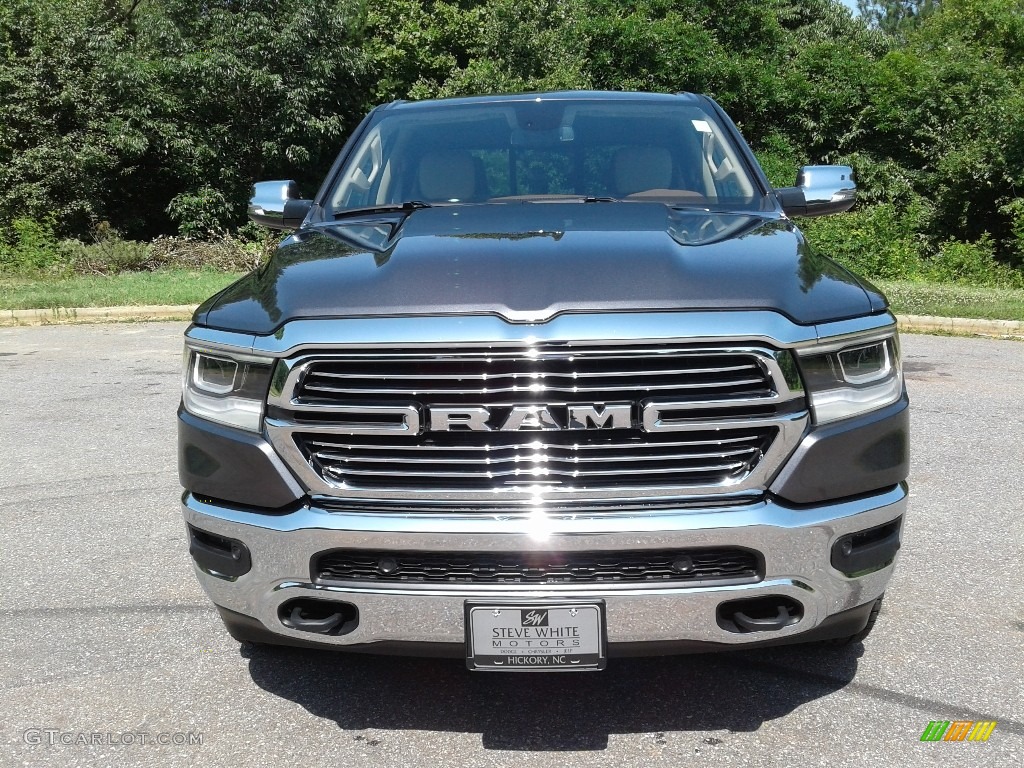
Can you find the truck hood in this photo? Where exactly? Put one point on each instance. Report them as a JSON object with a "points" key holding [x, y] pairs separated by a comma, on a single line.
{"points": [[527, 262]]}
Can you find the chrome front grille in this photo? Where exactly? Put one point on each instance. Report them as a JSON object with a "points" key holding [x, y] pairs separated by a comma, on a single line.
{"points": [[546, 376], [689, 421], [476, 460]]}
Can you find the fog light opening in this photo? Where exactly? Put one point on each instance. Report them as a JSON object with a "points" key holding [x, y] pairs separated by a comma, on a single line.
{"points": [[219, 555]]}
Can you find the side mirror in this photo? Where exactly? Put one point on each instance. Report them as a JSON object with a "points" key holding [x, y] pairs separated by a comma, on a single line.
{"points": [[278, 205], [819, 191]]}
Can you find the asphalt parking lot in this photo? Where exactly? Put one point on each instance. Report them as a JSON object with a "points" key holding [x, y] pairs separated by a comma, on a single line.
{"points": [[109, 645]]}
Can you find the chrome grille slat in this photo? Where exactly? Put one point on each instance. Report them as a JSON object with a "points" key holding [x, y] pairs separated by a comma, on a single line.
{"points": [[580, 457], [540, 472], [576, 446], [524, 458], [545, 374], [725, 405], [525, 389], [515, 352]]}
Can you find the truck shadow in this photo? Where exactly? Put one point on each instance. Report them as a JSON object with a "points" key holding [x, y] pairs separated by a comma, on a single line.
{"points": [[736, 691]]}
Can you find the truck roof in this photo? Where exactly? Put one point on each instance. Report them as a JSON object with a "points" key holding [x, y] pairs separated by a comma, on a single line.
{"points": [[637, 96]]}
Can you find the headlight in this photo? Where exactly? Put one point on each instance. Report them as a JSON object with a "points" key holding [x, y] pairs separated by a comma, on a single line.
{"points": [[851, 379], [228, 389]]}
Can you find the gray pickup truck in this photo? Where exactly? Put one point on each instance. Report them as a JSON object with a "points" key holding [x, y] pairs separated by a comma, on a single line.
{"points": [[538, 380]]}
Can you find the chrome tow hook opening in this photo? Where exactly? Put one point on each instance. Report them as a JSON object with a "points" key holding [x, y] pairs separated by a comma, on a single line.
{"points": [[321, 617], [759, 614]]}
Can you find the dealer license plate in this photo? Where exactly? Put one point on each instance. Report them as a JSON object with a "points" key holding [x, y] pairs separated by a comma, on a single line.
{"points": [[517, 637]]}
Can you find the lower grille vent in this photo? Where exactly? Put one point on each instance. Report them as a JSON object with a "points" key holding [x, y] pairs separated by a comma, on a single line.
{"points": [[641, 566]]}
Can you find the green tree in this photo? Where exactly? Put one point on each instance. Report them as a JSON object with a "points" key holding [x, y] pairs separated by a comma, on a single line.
{"points": [[156, 115], [896, 17], [949, 108], [123, 111], [79, 112], [266, 88]]}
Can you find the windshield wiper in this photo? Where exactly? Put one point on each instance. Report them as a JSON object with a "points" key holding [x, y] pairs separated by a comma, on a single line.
{"points": [[407, 207], [593, 199]]}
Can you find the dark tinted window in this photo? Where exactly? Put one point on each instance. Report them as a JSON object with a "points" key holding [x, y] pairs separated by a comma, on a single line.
{"points": [[558, 150]]}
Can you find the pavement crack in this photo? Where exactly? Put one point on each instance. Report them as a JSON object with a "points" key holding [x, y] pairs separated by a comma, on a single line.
{"points": [[96, 610], [85, 494], [51, 482], [935, 710]]}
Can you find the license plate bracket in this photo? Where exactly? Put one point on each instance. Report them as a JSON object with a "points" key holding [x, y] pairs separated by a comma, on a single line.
{"points": [[536, 636]]}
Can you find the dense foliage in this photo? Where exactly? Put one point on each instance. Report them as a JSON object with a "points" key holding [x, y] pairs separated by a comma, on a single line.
{"points": [[152, 114], [151, 117]]}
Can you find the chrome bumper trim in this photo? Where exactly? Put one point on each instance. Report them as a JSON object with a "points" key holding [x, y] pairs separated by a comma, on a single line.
{"points": [[795, 544]]}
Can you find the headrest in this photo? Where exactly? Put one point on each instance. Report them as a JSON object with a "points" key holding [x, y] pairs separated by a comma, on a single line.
{"points": [[640, 168], [448, 175]]}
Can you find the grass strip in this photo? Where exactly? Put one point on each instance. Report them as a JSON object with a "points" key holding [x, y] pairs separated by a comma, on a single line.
{"points": [[952, 300], [179, 286], [127, 289]]}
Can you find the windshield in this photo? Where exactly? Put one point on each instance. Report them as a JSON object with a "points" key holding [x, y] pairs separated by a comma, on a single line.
{"points": [[537, 150]]}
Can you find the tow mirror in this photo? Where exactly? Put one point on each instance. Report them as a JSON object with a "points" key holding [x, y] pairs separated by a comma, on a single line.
{"points": [[278, 205], [819, 191]]}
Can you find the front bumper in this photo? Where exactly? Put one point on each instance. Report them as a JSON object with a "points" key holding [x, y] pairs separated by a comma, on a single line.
{"points": [[795, 542]]}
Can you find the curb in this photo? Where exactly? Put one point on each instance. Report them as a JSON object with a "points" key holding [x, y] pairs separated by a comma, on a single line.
{"points": [[960, 326], [62, 316]]}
